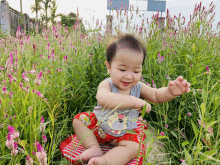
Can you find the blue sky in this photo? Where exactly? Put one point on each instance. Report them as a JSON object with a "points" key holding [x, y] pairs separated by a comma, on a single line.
{"points": [[98, 8]]}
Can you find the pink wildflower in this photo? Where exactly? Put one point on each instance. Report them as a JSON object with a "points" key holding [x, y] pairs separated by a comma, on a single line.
{"points": [[166, 126], [2, 68], [162, 133], [14, 151], [9, 142], [142, 79], [24, 77], [42, 128], [140, 118], [34, 47], [189, 114], [4, 91], [12, 132], [167, 77], [29, 160], [154, 85], [11, 94], [148, 84], [11, 78], [207, 68], [38, 79], [39, 94], [160, 58], [199, 90], [41, 155], [32, 71], [44, 138]]}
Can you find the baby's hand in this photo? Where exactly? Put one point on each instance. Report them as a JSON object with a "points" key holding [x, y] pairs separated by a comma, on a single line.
{"points": [[140, 104], [178, 86]]}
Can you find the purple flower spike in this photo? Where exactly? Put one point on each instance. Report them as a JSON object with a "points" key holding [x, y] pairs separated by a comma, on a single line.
{"points": [[39, 94], [15, 145], [9, 136], [11, 129], [40, 75], [34, 47], [44, 138], [42, 119], [207, 68], [39, 147]]}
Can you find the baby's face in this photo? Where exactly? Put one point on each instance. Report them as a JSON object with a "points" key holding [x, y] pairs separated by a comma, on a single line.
{"points": [[126, 68]]}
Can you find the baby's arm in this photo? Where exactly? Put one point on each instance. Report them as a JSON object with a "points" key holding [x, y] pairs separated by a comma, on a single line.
{"points": [[161, 95], [156, 95], [111, 100]]}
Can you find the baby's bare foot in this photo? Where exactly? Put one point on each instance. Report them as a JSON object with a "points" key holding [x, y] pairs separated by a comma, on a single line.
{"points": [[92, 151], [97, 161]]}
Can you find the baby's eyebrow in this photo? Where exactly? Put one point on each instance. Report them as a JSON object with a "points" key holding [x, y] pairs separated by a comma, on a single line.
{"points": [[138, 67]]}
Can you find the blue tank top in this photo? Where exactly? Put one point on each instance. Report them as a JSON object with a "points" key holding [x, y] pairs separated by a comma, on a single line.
{"points": [[114, 122]]}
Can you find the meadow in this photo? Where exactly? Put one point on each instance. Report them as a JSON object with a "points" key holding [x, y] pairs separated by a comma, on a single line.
{"points": [[46, 78]]}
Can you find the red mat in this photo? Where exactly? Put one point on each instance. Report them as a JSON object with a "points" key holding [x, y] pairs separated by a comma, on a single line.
{"points": [[70, 149]]}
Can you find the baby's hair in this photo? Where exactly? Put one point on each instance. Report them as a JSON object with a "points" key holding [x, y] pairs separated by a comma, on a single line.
{"points": [[124, 41]]}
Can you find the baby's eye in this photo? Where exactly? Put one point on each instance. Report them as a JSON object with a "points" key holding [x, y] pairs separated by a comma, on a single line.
{"points": [[122, 70], [136, 72]]}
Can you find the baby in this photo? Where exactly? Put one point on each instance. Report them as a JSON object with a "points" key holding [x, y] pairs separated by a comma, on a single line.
{"points": [[119, 104]]}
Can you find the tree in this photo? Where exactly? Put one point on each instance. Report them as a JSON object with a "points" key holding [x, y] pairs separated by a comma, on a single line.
{"points": [[21, 6], [36, 8], [53, 9], [71, 19], [46, 6]]}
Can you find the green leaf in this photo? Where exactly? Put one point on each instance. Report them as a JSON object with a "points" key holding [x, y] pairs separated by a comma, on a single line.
{"points": [[188, 157], [209, 125], [161, 137], [195, 129], [203, 108], [174, 134], [144, 110], [199, 145], [185, 143], [179, 118], [131, 132], [149, 163], [149, 135], [194, 48], [208, 153]]}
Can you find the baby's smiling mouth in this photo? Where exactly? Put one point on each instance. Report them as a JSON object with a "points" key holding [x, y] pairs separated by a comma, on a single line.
{"points": [[125, 83]]}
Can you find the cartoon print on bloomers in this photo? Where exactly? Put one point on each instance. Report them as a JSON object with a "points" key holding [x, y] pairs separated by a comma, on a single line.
{"points": [[101, 132], [117, 122], [83, 118]]}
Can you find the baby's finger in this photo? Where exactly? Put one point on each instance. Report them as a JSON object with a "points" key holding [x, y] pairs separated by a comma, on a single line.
{"points": [[188, 90], [180, 78], [184, 82], [171, 83], [188, 84], [148, 108]]}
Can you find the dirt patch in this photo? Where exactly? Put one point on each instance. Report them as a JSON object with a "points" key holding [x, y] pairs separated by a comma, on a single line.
{"points": [[157, 154]]}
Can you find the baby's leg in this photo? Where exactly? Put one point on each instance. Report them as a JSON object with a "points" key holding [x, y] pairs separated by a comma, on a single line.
{"points": [[120, 155], [89, 141]]}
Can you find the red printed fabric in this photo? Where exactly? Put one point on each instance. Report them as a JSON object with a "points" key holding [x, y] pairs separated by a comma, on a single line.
{"points": [[70, 147]]}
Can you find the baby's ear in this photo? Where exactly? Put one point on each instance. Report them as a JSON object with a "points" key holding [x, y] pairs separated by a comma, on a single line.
{"points": [[107, 66]]}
